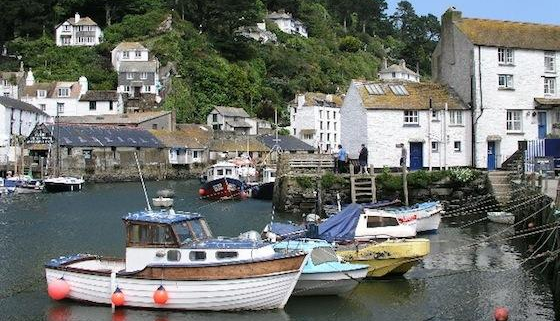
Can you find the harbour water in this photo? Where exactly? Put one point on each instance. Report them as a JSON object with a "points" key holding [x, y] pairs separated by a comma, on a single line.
{"points": [[450, 284]]}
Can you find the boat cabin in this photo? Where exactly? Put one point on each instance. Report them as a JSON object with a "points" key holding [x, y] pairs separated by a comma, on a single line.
{"points": [[166, 237], [221, 170], [269, 175], [374, 224]]}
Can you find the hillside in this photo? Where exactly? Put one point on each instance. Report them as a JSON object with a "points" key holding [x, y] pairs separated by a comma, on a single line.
{"points": [[216, 66]]}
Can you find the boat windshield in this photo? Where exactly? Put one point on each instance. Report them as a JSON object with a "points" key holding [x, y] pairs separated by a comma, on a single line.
{"points": [[321, 255], [192, 231]]}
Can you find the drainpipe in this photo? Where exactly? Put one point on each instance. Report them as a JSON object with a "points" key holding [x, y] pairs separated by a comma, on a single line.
{"points": [[475, 120], [430, 136], [445, 137]]}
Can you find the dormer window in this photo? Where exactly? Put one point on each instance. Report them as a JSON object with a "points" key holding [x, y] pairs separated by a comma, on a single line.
{"points": [[126, 54], [41, 93], [63, 92], [505, 56]]}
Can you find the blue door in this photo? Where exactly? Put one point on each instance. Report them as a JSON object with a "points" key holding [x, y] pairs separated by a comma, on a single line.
{"points": [[416, 158], [491, 156], [542, 125]]}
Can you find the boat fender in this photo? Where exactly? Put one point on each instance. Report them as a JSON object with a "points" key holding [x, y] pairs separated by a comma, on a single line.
{"points": [[160, 296], [201, 191], [58, 289], [117, 298], [501, 314]]}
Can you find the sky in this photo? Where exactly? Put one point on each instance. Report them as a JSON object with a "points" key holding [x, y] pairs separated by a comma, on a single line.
{"points": [[538, 11]]}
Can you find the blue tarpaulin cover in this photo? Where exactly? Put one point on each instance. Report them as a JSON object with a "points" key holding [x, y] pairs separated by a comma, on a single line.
{"points": [[342, 226]]}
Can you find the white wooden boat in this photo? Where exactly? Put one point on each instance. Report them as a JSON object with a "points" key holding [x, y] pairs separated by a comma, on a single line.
{"points": [[63, 184], [501, 217], [380, 224], [175, 254], [428, 215]]}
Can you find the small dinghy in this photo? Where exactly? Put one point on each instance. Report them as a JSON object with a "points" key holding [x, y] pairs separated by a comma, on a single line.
{"points": [[172, 262], [324, 273], [501, 217], [428, 215], [63, 184]]}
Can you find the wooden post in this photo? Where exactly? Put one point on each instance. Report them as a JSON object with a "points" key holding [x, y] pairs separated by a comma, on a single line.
{"points": [[41, 163], [404, 174], [352, 183], [373, 187]]}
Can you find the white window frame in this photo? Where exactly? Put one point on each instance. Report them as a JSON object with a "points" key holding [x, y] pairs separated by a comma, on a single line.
{"points": [[127, 89], [126, 55], [63, 92], [435, 115], [43, 107], [411, 117], [456, 117], [435, 147], [549, 85], [505, 56], [147, 88], [41, 93], [129, 76], [505, 81], [143, 75], [514, 121], [457, 146], [138, 54], [60, 108], [550, 61]]}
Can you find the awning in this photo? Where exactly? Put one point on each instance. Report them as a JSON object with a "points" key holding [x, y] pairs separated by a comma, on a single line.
{"points": [[494, 138], [547, 103]]}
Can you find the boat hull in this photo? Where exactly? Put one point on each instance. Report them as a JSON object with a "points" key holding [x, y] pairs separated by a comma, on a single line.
{"points": [[429, 224], [62, 187], [501, 217], [264, 191], [393, 257], [328, 283], [223, 188]]}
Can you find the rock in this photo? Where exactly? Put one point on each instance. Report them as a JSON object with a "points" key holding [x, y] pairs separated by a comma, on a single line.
{"points": [[458, 195]]}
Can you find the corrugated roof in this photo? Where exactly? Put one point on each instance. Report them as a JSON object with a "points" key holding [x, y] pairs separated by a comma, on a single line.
{"points": [[498, 33], [74, 135], [231, 111], [418, 96], [100, 95], [238, 144], [110, 119], [20, 105], [130, 46], [138, 66], [286, 143]]}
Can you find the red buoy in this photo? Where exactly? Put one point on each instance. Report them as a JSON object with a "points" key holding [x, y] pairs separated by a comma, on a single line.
{"points": [[201, 191], [160, 296], [501, 314], [117, 297], [58, 289], [243, 195]]}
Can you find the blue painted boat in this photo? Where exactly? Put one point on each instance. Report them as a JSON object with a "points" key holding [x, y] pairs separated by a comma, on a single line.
{"points": [[324, 273]]}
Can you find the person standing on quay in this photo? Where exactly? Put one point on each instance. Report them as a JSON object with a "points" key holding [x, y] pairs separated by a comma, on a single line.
{"points": [[334, 153], [363, 159], [342, 159]]}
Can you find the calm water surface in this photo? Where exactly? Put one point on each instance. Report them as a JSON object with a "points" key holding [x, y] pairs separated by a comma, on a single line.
{"points": [[448, 285]]}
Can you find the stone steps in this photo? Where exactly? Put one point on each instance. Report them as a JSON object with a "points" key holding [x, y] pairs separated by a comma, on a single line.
{"points": [[500, 181]]}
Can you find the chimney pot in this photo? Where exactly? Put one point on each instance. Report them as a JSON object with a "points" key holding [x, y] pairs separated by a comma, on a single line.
{"points": [[76, 17]]}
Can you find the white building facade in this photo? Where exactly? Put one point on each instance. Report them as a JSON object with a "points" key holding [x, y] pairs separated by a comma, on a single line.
{"points": [[315, 119], [231, 119], [286, 22], [509, 72], [137, 71], [78, 31], [398, 72], [11, 83], [382, 115]]}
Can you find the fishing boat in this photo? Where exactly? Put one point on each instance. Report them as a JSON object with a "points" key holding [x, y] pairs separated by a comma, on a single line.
{"points": [[324, 273], [24, 184], [63, 184], [223, 181], [501, 217], [428, 215], [173, 262], [390, 257], [265, 189]]}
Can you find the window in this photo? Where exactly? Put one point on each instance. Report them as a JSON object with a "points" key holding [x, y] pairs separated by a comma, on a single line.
{"points": [[513, 121], [308, 136], [228, 171], [378, 221], [328, 125], [43, 107], [144, 75], [92, 105], [127, 89], [221, 255], [173, 255], [320, 125], [63, 92], [334, 125], [60, 108], [220, 172], [154, 126], [197, 255], [126, 54], [456, 117], [411, 117], [334, 114], [138, 54], [69, 151], [111, 105], [320, 114], [550, 61], [129, 75], [87, 153], [435, 115], [435, 147], [457, 146], [328, 137], [335, 137], [505, 81], [295, 132], [147, 88], [214, 118], [328, 114], [320, 255], [195, 154], [549, 85], [5, 82], [505, 56], [321, 137]]}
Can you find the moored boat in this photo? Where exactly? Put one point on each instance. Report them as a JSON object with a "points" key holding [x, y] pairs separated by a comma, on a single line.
{"points": [[265, 189], [172, 262], [428, 215], [63, 184], [324, 273], [223, 182], [501, 217]]}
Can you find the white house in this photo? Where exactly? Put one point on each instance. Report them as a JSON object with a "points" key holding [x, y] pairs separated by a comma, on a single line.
{"points": [[78, 31], [17, 119], [508, 71], [231, 119], [137, 71], [382, 115], [258, 33], [64, 98], [315, 119], [398, 72], [286, 22], [11, 83], [188, 145]]}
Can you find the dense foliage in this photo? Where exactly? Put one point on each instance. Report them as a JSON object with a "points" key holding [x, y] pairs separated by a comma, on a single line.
{"points": [[215, 65]]}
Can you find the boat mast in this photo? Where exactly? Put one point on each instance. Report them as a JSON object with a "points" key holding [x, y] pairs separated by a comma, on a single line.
{"points": [[57, 171]]}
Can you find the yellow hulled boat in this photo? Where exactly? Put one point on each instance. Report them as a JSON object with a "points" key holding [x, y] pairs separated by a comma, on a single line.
{"points": [[393, 257]]}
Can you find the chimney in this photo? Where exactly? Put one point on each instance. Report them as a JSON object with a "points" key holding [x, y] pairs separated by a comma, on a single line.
{"points": [[83, 85], [385, 63], [76, 17], [300, 100], [329, 98], [21, 69], [30, 79], [402, 63]]}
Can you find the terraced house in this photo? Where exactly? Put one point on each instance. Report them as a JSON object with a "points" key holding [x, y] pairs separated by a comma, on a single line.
{"points": [[137, 69], [508, 73]]}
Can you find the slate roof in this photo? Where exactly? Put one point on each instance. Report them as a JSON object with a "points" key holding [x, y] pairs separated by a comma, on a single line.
{"points": [[498, 33], [9, 75], [20, 105], [100, 95], [238, 124], [231, 111], [320, 99], [418, 97], [75, 135], [112, 119], [130, 46], [138, 66], [286, 143], [31, 91]]}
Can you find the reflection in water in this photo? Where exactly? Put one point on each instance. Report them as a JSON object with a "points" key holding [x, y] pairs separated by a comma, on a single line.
{"points": [[450, 284]]}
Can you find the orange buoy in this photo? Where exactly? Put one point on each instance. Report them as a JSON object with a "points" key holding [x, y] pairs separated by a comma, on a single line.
{"points": [[58, 289], [160, 296], [117, 297], [501, 314], [201, 191]]}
